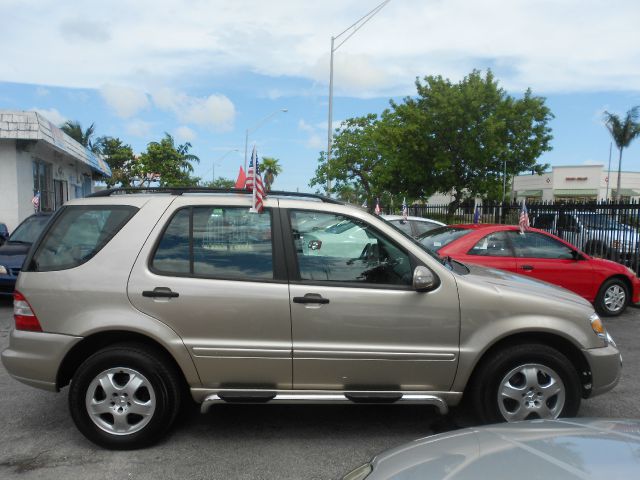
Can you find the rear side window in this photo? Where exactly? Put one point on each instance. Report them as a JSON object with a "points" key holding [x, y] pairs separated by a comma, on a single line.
{"points": [[216, 242], [77, 234]]}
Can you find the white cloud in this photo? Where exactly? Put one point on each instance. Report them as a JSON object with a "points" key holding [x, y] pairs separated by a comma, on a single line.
{"points": [[53, 115], [215, 111], [185, 134], [552, 46], [124, 101], [139, 128]]}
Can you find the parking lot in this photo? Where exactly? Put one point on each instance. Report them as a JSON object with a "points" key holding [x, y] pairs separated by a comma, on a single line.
{"points": [[39, 440]]}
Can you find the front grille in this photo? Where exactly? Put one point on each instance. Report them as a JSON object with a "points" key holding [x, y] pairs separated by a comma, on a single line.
{"points": [[14, 271]]}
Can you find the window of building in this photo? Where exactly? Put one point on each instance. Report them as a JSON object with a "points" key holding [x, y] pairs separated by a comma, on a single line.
{"points": [[43, 183]]}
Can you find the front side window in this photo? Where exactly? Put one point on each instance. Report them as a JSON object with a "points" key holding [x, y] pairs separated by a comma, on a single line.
{"points": [[537, 245], [336, 248], [216, 242], [78, 234], [493, 245]]}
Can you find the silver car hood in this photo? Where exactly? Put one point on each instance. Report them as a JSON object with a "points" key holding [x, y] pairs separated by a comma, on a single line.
{"points": [[507, 283], [554, 449]]}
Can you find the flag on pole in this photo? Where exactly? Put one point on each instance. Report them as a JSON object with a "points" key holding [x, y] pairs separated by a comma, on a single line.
{"points": [[524, 218], [377, 206], [36, 201], [254, 182], [405, 209], [476, 215], [242, 178]]}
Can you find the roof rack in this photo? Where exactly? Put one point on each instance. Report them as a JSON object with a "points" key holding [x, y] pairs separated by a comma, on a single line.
{"points": [[181, 190]]}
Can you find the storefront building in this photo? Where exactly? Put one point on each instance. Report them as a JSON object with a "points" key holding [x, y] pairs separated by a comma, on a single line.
{"points": [[38, 157], [578, 183]]}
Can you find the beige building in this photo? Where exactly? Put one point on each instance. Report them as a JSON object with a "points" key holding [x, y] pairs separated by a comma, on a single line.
{"points": [[36, 156], [577, 183]]}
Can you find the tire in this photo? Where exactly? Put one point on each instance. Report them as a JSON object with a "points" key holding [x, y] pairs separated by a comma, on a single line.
{"points": [[612, 298], [522, 382], [124, 397]]}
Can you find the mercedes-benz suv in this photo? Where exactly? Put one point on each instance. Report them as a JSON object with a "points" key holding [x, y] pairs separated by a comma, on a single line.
{"points": [[136, 301]]}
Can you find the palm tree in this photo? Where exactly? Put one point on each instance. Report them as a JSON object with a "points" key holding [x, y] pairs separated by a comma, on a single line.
{"points": [[623, 133], [271, 169], [83, 137]]}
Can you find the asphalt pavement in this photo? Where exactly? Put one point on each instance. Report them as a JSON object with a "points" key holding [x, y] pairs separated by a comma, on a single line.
{"points": [[38, 439]]}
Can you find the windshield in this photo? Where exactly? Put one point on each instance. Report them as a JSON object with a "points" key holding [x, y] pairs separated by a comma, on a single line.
{"points": [[28, 231], [598, 221], [435, 239]]}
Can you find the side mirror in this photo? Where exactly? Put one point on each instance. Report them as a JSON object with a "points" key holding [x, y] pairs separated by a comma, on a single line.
{"points": [[423, 279]]}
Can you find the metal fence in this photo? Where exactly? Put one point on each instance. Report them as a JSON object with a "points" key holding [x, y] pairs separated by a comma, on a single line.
{"points": [[606, 230]]}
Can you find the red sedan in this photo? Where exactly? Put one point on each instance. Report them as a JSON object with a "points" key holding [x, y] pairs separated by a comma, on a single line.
{"points": [[540, 255]]}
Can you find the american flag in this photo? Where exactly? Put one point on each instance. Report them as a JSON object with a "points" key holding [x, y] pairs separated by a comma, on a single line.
{"points": [[405, 209], [36, 201], [254, 182], [377, 210], [524, 218]]}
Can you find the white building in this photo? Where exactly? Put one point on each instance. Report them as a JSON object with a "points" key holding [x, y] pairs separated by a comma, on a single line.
{"points": [[577, 183], [36, 156]]}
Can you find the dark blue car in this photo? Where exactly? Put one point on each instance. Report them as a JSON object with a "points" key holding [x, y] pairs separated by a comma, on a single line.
{"points": [[14, 251]]}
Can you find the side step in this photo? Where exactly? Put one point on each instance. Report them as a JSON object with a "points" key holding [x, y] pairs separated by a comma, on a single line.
{"points": [[320, 397]]}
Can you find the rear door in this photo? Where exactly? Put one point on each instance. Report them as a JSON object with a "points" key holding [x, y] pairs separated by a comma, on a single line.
{"points": [[214, 273], [356, 322]]}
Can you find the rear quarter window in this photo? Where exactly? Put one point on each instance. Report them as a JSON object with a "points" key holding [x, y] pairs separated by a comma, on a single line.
{"points": [[77, 234]]}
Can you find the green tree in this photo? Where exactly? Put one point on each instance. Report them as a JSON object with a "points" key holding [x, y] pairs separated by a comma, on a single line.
{"points": [[120, 158], [220, 182], [459, 138], [83, 137], [356, 159], [166, 163], [270, 170], [623, 133]]}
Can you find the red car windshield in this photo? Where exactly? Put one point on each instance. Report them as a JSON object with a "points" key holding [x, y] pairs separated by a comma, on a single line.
{"points": [[434, 240]]}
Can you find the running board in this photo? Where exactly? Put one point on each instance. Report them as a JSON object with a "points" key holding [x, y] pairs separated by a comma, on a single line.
{"points": [[319, 397]]}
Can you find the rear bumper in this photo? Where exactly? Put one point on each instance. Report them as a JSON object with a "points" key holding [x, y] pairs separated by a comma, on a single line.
{"points": [[606, 368], [35, 357]]}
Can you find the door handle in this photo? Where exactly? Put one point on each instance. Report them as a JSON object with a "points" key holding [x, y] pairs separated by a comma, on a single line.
{"points": [[311, 298], [527, 267], [160, 292]]}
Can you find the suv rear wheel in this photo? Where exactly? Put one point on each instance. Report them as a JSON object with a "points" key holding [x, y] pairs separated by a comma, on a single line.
{"points": [[124, 397], [524, 382]]}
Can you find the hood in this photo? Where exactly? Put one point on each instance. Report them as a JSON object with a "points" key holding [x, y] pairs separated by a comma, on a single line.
{"points": [[13, 254], [558, 449], [505, 282]]}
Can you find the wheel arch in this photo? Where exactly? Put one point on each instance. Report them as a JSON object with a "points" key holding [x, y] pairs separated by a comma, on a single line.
{"points": [[97, 341], [564, 346]]}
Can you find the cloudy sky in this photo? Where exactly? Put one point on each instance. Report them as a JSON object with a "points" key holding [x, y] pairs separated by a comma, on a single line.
{"points": [[207, 70]]}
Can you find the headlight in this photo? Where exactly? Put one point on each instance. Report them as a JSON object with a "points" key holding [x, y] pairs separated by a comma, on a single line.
{"points": [[3, 270], [359, 473], [598, 327]]}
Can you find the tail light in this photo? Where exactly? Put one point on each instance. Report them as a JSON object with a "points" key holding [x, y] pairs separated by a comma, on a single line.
{"points": [[23, 315]]}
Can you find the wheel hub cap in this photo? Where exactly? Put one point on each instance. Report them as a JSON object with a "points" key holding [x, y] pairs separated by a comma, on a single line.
{"points": [[531, 391], [120, 401], [614, 298]]}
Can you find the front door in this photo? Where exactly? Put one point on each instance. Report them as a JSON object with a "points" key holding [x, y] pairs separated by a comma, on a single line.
{"points": [[545, 258], [212, 274], [356, 322]]}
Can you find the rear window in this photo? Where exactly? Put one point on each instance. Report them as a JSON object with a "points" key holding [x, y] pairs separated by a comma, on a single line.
{"points": [[434, 240], [77, 234]]}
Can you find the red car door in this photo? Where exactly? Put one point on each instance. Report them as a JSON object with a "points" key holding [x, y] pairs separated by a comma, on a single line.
{"points": [[541, 256]]}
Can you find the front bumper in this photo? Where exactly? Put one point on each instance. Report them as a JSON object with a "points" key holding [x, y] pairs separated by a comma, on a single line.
{"points": [[35, 357], [606, 368], [635, 289], [7, 285]]}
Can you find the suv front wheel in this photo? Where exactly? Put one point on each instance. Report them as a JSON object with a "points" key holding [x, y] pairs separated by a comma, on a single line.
{"points": [[124, 397], [523, 382]]}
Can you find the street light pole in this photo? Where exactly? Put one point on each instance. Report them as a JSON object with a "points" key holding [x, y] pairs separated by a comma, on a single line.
{"points": [[213, 164], [256, 127], [353, 28]]}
